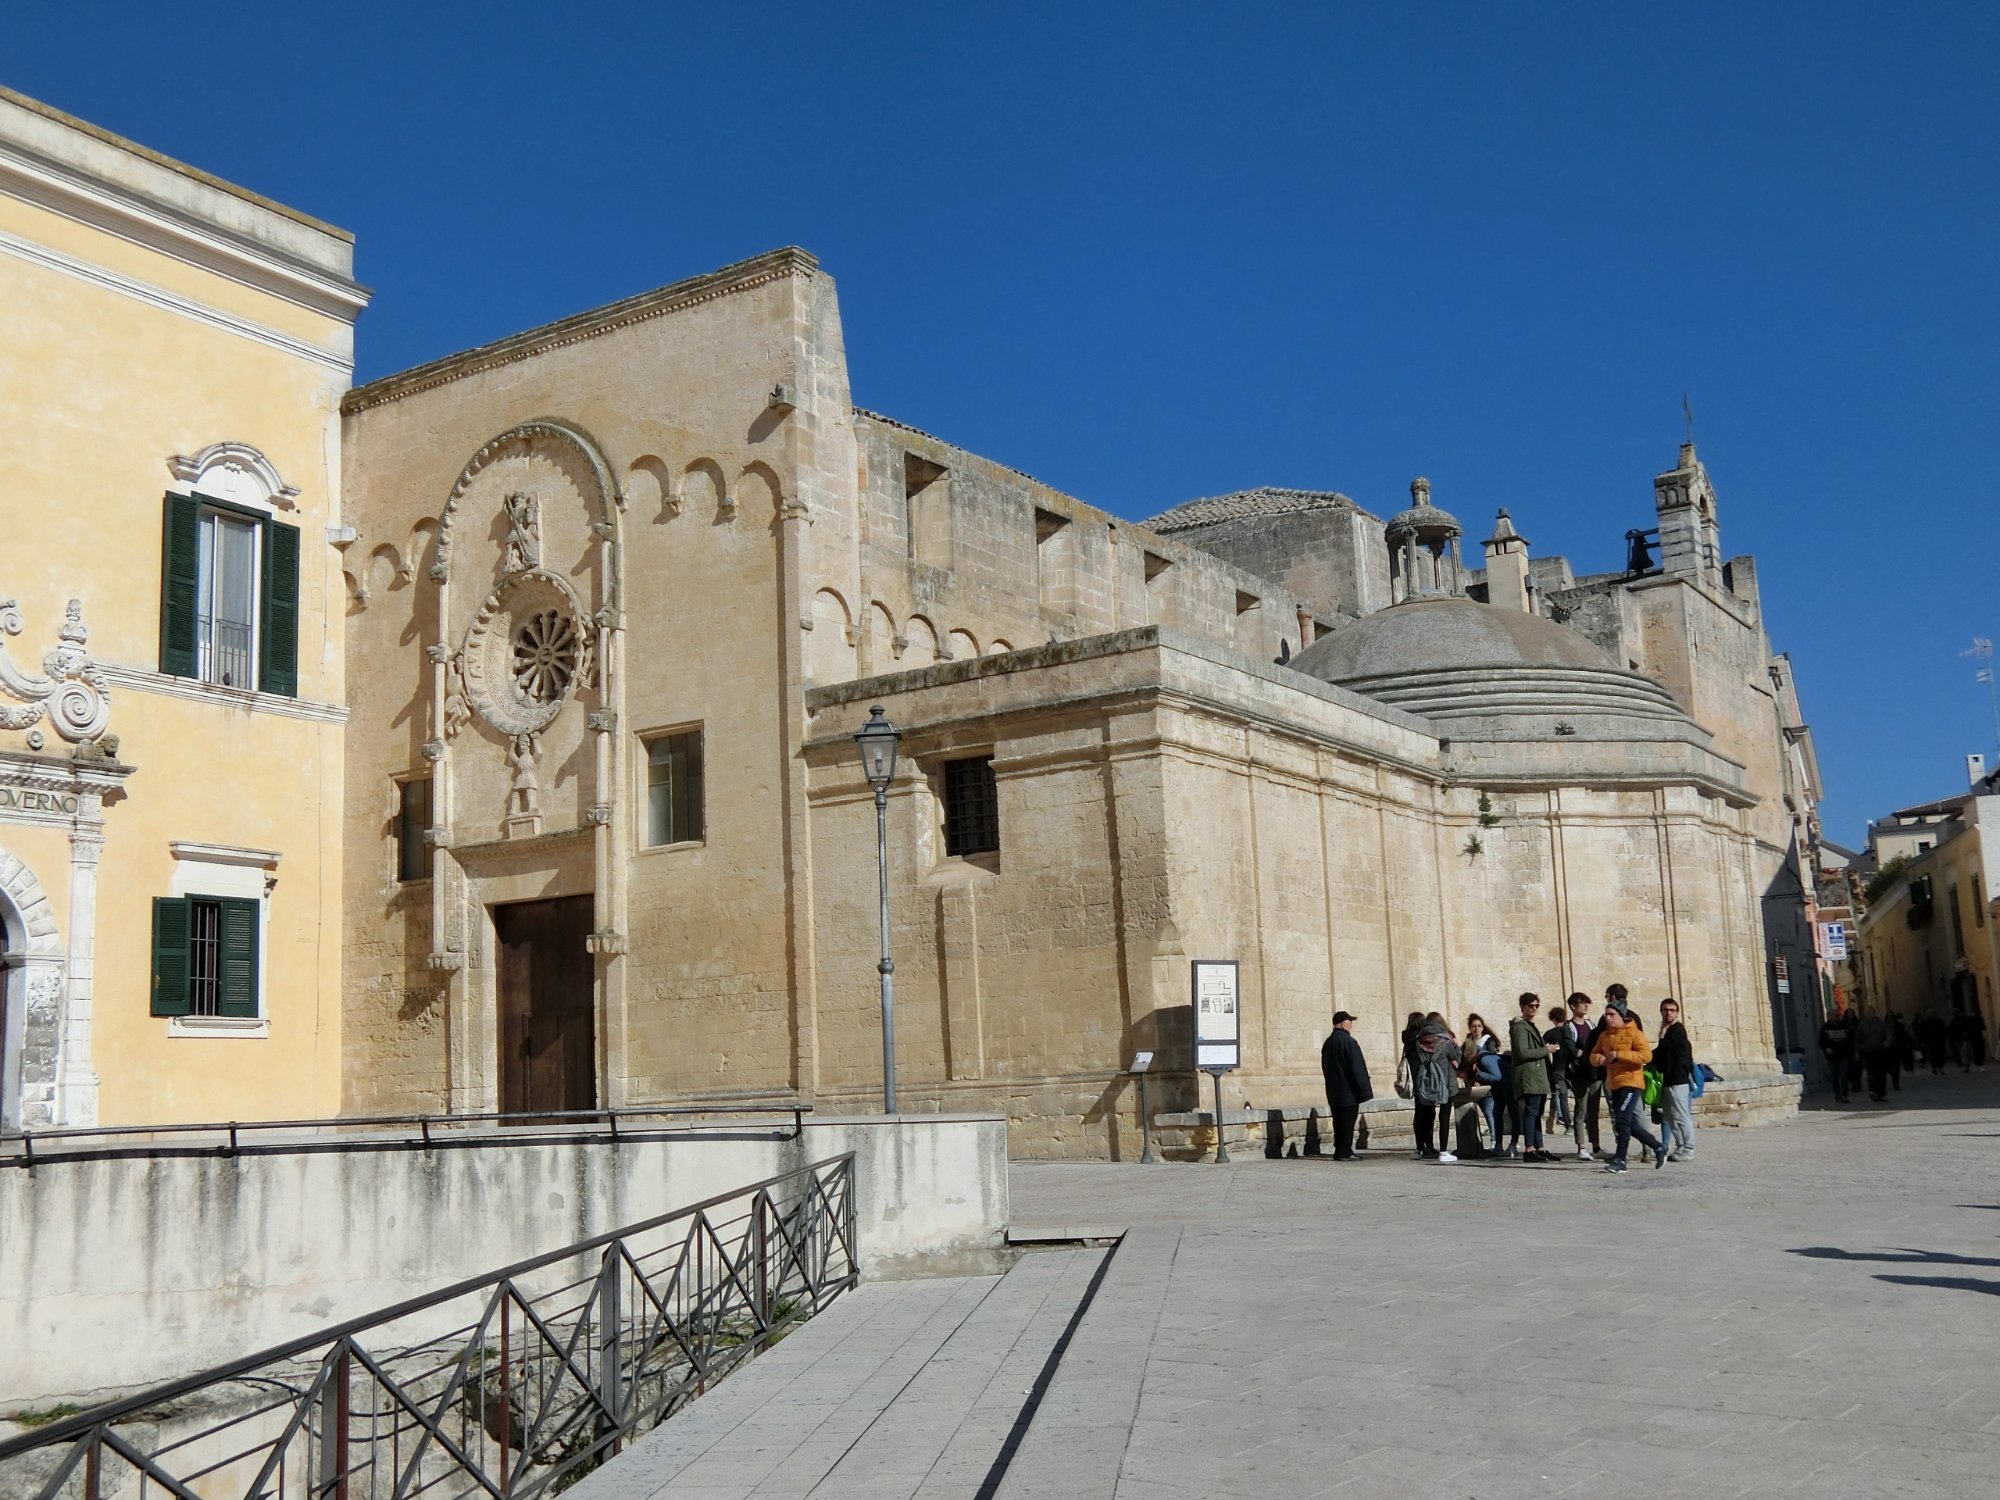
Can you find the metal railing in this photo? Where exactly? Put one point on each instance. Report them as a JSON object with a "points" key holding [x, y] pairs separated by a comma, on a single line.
{"points": [[509, 1386], [235, 1137]]}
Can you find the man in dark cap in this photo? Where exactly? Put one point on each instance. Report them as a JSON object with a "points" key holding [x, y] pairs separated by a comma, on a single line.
{"points": [[1347, 1086]]}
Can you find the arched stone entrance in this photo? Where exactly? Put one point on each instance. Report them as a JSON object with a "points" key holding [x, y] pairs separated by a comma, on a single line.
{"points": [[31, 988]]}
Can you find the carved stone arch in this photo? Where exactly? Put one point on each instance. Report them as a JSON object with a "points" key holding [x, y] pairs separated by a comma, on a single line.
{"points": [[649, 488], [961, 645], [759, 484], [830, 649], [997, 647], [548, 429], [31, 987], [880, 645], [704, 487], [417, 550], [921, 637]]}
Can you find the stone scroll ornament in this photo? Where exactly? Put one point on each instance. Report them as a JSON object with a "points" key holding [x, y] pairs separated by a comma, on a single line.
{"points": [[69, 691]]}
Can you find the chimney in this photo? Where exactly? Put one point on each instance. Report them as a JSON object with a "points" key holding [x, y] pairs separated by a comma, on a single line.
{"points": [[1975, 769], [1507, 568]]}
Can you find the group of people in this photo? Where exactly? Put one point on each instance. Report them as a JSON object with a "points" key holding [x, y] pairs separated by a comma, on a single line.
{"points": [[1878, 1047], [1531, 1081]]}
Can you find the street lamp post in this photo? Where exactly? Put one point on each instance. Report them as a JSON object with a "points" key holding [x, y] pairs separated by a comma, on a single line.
{"points": [[877, 741]]}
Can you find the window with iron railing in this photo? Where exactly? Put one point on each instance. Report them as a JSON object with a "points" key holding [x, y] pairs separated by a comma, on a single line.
{"points": [[971, 807]]}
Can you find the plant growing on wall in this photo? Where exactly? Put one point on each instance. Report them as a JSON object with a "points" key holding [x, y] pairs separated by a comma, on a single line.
{"points": [[1473, 846], [1488, 818]]}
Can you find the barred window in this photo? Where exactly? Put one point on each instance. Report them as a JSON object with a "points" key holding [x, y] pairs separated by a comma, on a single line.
{"points": [[971, 807]]}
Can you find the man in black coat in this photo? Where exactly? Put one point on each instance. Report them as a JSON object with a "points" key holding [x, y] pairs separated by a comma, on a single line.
{"points": [[1347, 1086]]}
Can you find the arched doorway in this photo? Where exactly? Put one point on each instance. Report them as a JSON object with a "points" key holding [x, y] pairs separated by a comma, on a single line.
{"points": [[31, 966]]}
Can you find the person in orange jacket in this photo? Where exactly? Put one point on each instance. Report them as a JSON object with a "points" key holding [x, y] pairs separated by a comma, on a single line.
{"points": [[1623, 1052]]}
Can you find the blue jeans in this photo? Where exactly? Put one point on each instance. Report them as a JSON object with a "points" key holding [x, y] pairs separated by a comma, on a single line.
{"points": [[1559, 1096], [1628, 1122], [1528, 1114]]}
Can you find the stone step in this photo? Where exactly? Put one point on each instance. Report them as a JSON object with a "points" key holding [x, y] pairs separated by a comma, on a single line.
{"points": [[899, 1390]]}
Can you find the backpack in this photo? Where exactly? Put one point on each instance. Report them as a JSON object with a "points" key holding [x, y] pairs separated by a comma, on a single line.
{"points": [[1487, 1066], [1652, 1086]]}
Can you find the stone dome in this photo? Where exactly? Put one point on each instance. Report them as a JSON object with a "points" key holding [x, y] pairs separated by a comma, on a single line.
{"points": [[1514, 675]]}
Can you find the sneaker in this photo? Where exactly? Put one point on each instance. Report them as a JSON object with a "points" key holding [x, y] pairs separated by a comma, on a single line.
{"points": [[1418, 1154], [1446, 1157], [1659, 1157], [1679, 1156], [1583, 1154], [1614, 1165]]}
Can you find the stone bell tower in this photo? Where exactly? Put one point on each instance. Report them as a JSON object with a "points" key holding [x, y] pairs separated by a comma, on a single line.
{"points": [[1685, 499]]}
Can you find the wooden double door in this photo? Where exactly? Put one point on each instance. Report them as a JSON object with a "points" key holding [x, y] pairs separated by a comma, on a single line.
{"points": [[548, 1006]]}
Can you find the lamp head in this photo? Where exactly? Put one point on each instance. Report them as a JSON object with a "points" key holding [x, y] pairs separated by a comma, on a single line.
{"points": [[877, 741]]}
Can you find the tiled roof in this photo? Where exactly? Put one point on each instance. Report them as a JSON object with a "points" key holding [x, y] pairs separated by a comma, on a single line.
{"points": [[1265, 501]]}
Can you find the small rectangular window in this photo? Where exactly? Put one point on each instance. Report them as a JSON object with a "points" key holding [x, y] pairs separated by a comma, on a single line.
{"points": [[971, 807], [673, 789], [413, 826]]}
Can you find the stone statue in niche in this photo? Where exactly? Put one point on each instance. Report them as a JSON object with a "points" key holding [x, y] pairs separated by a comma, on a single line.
{"points": [[524, 533], [524, 799]]}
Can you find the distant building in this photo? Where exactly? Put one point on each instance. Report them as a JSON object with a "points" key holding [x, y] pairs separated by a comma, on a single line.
{"points": [[1930, 938], [627, 585], [171, 654]]}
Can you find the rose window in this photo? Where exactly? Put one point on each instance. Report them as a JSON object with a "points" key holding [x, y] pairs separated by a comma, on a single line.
{"points": [[546, 652]]}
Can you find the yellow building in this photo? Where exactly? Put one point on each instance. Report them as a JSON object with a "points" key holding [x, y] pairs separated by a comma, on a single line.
{"points": [[1930, 941], [171, 665]]}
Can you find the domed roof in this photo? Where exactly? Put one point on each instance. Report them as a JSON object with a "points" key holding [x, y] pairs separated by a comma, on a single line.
{"points": [[1422, 517], [1517, 673]]}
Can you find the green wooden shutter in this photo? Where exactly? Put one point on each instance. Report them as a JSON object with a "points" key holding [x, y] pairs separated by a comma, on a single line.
{"points": [[180, 589], [236, 987], [278, 665], [170, 956]]}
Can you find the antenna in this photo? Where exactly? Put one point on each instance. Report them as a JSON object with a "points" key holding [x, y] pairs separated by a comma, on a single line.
{"points": [[1687, 411], [1981, 651]]}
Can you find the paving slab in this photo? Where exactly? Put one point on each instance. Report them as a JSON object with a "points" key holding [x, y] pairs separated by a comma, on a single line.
{"points": [[1806, 1309]]}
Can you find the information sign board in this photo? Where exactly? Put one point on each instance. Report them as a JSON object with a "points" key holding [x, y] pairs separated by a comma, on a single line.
{"points": [[1835, 935], [1218, 1015]]}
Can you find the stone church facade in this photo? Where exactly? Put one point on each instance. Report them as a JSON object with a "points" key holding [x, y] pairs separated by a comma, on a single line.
{"points": [[625, 587]]}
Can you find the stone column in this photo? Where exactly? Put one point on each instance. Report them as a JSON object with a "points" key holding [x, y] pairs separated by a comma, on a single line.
{"points": [[76, 1079]]}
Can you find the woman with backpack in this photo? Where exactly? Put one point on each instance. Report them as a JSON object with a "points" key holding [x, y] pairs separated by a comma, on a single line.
{"points": [[1433, 1080]]}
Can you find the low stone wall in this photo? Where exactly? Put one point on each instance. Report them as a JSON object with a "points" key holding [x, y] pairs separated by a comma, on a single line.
{"points": [[1391, 1122], [126, 1270]]}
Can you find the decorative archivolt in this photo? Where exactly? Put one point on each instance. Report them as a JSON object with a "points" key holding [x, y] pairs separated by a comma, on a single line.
{"points": [[521, 437], [233, 471], [69, 691]]}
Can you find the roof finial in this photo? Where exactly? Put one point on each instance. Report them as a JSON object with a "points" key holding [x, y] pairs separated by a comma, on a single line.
{"points": [[1687, 447], [1420, 491]]}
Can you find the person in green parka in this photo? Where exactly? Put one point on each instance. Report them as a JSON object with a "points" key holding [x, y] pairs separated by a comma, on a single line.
{"points": [[1531, 1078]]}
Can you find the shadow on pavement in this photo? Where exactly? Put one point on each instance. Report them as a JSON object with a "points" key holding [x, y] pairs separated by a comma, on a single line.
{"points": [[1904, 1257], [1949, 1283]]}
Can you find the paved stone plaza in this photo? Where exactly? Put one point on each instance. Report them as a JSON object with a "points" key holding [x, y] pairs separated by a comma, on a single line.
{"points": [[1809, 1309]]}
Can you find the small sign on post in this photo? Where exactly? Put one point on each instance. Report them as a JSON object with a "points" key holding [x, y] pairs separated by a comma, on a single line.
{"points": [[1142, 1064], [1218, 1029], [1783, 971]]}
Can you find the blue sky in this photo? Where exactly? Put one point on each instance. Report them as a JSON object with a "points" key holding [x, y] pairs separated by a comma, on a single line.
{"points": [[1160, 251]]}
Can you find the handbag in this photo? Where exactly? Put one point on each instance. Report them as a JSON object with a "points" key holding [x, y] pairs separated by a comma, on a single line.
{"points": [[1653, 1082], [1405, 1089]]}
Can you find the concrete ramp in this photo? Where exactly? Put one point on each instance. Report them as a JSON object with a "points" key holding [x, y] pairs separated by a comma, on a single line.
{"points": [[899, 1390]]}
